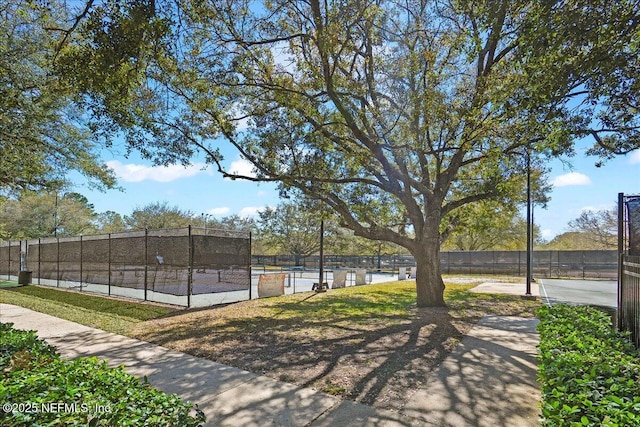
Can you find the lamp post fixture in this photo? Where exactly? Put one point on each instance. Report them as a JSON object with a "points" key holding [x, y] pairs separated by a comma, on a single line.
{"points": [[205, 216], [321, 286], [529, 228]]}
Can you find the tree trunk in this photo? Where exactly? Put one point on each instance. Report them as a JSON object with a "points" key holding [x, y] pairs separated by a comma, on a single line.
{"points": [[429, 284]]}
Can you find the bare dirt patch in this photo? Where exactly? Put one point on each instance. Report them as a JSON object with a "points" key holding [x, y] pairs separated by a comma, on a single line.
{"points": [[368, 344]]}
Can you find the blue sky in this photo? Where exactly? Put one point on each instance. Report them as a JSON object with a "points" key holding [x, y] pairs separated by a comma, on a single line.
{"points": [[582, 186], [202, 190]]}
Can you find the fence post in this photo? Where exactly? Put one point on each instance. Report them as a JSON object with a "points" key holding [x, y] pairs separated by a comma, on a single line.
{"points": [[250, 255], [81, 263], [109, 264], [621, 231], [146, 252], [190, 270], [58, 262], [39, 259], [9, 261]]}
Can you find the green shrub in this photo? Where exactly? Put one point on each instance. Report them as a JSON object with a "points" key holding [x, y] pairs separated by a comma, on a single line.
{"points": [[589, 372], [20, 347], [84, 391]]}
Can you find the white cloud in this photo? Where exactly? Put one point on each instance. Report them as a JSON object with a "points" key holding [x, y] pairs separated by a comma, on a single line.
{"points": [[548, 234], [136, 173], [242, 167], [250, 211], [570, 179], [219, 211], [634, 157]]}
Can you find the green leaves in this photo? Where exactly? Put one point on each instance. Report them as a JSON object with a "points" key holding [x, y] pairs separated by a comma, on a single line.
{"points": [[393, 114], [42, 133], [33, 215], [96, 395], [589, 373], [592, 49]]}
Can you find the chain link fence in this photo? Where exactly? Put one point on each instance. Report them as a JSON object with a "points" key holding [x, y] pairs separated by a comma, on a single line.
{"points": [[197, 267], [601, 264], [629, 273], [632, 208], [185, 266]]}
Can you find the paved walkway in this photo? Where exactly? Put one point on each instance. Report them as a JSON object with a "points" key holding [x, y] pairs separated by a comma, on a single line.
{"points": [[489, 380]]}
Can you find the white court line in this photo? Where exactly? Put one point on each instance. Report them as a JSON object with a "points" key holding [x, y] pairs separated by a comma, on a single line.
{"points": [[544, 291]]}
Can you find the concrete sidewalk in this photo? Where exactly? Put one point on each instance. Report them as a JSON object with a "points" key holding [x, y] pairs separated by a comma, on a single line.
{"points": [[488, 380], [506, 288]]}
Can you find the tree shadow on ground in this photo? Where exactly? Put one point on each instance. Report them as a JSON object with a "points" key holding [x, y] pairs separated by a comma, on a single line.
{"points": [[378, 355]]}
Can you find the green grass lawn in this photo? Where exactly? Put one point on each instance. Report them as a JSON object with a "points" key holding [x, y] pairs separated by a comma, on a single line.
{"points": [[341, 341], [9, 284], [387, 301], [109, 314]]}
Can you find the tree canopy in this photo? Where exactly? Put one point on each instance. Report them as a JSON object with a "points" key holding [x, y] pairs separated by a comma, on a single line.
{"points": [[394, 114], [43, 135], [158, 215], [598, 227], [33, 215], [294, 228], [488, 225]]}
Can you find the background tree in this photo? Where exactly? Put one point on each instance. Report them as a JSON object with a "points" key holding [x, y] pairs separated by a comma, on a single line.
{"points": [[488, 225], [394, 115], [33, 215], [42, 135], [592, 50], [346, 243], [110, 222], [294, 228], [569, 241], [236, 223], [600, 227], [158, 215]]}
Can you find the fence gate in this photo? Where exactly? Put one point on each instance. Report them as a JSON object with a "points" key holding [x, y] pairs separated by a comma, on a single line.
{"points": [[629, 266], [629, 297]]}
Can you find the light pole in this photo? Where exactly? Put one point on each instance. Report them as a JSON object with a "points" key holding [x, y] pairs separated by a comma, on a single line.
{"points": [[321, 282], [55, 217], [529, 227], [205, 216]]}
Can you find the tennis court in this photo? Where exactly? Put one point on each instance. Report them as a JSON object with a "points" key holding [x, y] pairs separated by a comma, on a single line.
{"points": [[296, 280]]}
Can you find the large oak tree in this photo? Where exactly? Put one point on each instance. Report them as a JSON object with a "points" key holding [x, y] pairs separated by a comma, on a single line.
{"points": [[394, 114], [43, 136]]}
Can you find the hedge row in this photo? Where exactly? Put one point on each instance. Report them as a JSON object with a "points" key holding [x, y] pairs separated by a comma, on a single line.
{"points": [[37, 387], [589, 372]]}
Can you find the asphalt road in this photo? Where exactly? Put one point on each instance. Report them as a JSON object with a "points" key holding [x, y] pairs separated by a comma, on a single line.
{"points": [[592, 292]]}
